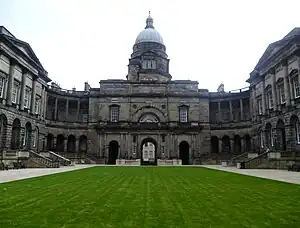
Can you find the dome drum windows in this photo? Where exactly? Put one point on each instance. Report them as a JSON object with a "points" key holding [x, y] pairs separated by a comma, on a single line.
{"points": [[149, 64]]}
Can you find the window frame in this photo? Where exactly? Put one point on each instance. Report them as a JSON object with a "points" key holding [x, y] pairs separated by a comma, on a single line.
{"points": [[297, 131], [186, 114], [296, 86], [27, 97], [281, 92], [114, 113], [15, 92], [2, 85]]}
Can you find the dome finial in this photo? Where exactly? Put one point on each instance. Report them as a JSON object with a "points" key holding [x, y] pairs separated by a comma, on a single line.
{"points": [[149, 21]]}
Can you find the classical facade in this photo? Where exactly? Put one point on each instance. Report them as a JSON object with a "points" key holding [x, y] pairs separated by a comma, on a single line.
{"points": [[148, 116]]}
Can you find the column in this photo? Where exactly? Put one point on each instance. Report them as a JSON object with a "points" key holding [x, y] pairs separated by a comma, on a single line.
{"points": [[55, 108], [23, 87], [77, 145], [242, 108], [274, 95], [219, 111], [287, 88], [67, 109], [78, 110], [10, 81], [220, 145], [254, 105], [242, 145], [5, 90], [42, 103], [263, 98], [65, 144], [33, 95], [230, 111]]}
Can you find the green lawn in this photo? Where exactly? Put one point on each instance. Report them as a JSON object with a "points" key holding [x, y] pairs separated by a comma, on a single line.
{"points": [[149, 197]]}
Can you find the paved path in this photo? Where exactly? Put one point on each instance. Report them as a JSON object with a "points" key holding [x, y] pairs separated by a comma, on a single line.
{"points": [[274, 174], [18, 174]]}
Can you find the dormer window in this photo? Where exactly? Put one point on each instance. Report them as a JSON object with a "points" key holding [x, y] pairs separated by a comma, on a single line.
{"points": [[149, 64]]}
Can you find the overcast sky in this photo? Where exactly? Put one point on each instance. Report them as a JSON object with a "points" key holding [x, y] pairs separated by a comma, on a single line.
{"points": [[91, 40]]}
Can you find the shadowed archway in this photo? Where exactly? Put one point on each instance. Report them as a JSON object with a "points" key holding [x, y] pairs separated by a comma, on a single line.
{"points": [[113, 152], [60, 143], [247, 143], [16, 135], [214, 144], [71, 146], [226, 148], [184, 152], [237, 144], [50, 142], [280, 136], [83, 143]]}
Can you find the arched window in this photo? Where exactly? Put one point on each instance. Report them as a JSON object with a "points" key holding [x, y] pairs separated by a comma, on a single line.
{"points": [[149, 118], [297, 131]]}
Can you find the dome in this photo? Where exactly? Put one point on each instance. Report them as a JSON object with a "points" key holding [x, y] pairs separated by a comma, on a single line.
{"points": [[149, 34]]}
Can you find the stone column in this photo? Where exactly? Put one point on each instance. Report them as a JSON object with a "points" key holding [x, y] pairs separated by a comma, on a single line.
{"points": [[263, 97], [66, 144], [254, 105], [5, 90], [242, 108], [10, 81], [55, 109], [219, 111], [45, 103], [67, 109], [287, 88], [242, 145], [78, 110], [230, 110], [274, 95], [23, 88], [42, 103], [77, 145], [33, 96], [220, 145]]}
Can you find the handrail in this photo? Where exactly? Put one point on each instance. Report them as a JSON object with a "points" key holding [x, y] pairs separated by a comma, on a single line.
{"points": [[256, 160], [43, 160], [62, 160], [239, 156]]}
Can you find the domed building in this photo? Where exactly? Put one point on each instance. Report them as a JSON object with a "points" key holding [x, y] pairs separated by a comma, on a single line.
{"points": [[148, 118]]}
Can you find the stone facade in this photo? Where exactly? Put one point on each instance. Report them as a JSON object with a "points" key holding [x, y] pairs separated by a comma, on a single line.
{"points": [[117, 119]]}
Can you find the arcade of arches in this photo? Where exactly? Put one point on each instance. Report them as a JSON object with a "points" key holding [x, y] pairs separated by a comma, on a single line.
{"points": [[235, 145], [69, 144]]}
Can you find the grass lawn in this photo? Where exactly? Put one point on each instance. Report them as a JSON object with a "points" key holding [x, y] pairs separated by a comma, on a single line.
{"points": [[149, 197]]}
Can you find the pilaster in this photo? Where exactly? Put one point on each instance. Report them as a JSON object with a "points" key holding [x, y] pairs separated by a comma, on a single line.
{"points": [[274, 95], [33, 96], [23, 87], [263, 97], [242, 108], [286, 84], [230, 110], [10, 81], [55, 108]]}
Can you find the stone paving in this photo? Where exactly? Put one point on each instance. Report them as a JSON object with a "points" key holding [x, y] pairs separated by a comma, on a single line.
{"points": [[280, 175], [274, 174], [19, 174]]}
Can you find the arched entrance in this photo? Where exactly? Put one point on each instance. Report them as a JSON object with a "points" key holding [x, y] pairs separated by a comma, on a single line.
{"points": [[28, 136], [3, 130], [226, 148], [16, 135], [184, 153], [113, 152], [280, 136], [71, 146], [50, 142], [214, 143], [268, 135], [247, 143], [148, 152], [60, 143], [237, 144]]}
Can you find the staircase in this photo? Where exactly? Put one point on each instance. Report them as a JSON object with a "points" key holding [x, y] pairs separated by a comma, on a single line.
{"points": [[257, 161], [239, 158], [56, 157], [42, 161]]}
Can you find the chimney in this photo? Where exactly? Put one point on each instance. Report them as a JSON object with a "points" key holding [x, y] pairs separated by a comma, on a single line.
{"points": [[86, 87]]}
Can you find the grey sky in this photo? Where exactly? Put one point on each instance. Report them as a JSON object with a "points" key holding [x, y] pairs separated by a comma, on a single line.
{"points": [[208, 41]]}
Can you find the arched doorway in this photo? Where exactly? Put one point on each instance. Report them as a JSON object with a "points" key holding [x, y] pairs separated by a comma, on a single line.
{"points": [[28, 136], [148, 152], [3, 130], [113, 152], [237, 144], [280, 136], [184, 153], [50, 142], [60, 143], [71, 146], [268, 135], [214, 144], [83, 143], [16, 135], [226, 148], [247, 143]]}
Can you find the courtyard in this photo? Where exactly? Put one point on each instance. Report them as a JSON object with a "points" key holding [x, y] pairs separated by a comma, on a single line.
{"points": [[108, 196]]}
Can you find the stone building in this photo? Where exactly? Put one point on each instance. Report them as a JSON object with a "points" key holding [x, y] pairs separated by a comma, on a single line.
{"points": [[120, 117]]}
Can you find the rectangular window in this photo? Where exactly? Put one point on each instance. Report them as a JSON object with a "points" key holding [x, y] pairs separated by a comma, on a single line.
{"points": [[114, 114], [15, 92], [183, 115], [149, 64], [270, 99], [281, 93], [2, 84], [37, 105], [27, 98], [259, 106], [296, 87]]}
